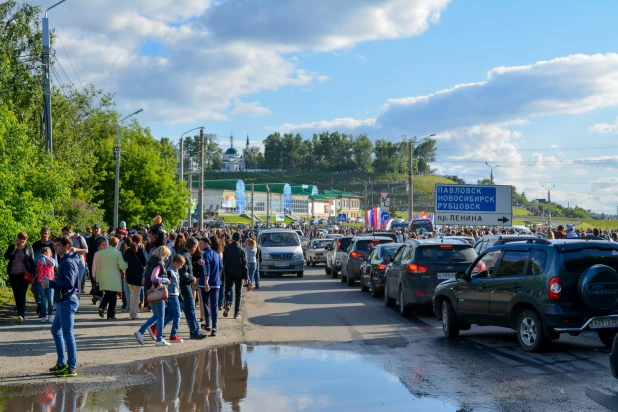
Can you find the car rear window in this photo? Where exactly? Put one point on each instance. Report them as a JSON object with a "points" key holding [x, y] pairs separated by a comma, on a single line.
{"points": [[445, 253], [344, 242], [388, 250], [578, 261], [369, 245]]}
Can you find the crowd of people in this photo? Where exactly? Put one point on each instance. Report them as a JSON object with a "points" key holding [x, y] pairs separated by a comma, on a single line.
{"points": [[149, 270], [164, 274]]}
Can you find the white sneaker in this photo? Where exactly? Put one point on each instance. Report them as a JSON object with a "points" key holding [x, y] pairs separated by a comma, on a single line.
{"points": [[50, 319], [139, 337], [20, 319], [163, 342], [44, 319]]}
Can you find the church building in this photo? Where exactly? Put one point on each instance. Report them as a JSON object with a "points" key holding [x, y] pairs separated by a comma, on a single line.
{"points": [[233, 159]]}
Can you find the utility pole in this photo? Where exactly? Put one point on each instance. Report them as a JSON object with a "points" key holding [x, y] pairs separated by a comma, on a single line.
{"points": [[549, 202], [181, 167], [189, 182], [267, 206], [410, 180], [200, 200], [252, 208], [411, 144], [47, 113], [491, 175]]}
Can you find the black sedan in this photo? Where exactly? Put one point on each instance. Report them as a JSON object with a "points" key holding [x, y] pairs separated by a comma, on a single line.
{"points": [[372, 269]]}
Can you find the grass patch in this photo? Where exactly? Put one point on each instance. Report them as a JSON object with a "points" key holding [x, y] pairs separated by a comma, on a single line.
{"points": [[236, 220], [602, 224], [521, 212]]}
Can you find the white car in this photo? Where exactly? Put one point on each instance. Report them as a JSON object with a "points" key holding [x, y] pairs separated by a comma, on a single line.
{"points": [[316, 254]]}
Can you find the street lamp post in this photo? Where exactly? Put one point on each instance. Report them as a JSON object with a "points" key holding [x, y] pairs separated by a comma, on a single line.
{"points": [[117, 156], [411, 144], [549, 202], [181, 170], [491, 169]]}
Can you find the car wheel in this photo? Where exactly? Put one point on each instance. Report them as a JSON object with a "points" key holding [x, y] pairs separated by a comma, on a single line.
{"points": [[333, 273], [350, 281], [343, 278], [311, 262], [327, 269], [388, 302], [403, 309], [607, 337], [449, 320], [364, 287], [374, 289], [300, 274], [530, 333]]}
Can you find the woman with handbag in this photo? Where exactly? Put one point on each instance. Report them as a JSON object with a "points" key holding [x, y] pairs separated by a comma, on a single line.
{"points": [[20, 269], [154, 286], [136, 258]]}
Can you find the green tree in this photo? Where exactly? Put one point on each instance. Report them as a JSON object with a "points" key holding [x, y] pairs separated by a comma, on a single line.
{"points": [[385, 152], [254, 159], [273, 151], [362, 149]]}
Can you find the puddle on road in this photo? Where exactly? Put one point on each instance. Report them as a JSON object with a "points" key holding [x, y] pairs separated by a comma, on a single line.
{"points": [[239, 378]]}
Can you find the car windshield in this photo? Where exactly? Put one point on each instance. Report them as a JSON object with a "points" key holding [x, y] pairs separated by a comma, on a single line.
{"points": [[578, 261], [279, 239], [369, 245], [388, 250], [321, 243], [445, 253]]}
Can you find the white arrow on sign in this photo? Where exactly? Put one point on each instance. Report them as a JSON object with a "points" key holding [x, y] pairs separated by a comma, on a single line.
{"points": [[384, 196]]}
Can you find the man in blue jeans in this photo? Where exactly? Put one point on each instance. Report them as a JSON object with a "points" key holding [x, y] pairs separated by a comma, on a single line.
{"points": [[209, 285], [66, 286]]}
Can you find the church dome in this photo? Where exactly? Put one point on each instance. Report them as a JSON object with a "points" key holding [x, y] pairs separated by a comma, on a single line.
{"points": [[231, 151]]}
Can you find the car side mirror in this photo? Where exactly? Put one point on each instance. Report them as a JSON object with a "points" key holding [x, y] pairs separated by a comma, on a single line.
{"points": [[461, 276], [388, 258]]}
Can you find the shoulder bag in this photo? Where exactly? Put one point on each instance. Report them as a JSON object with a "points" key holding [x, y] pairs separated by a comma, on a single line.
{"points": [[158, 293]]}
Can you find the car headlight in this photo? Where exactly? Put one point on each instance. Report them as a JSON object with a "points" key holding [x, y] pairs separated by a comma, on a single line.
{"points": [[266, 256], [298, 256]]}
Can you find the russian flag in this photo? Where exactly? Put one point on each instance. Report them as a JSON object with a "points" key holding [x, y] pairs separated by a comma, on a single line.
{"points": [[370, 222], [376, 217]]}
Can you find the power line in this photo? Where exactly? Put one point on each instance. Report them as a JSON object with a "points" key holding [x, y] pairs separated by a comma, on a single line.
{"points": [[69, 59]]}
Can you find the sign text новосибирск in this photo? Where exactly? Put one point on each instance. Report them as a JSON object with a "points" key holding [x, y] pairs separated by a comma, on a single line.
{"points": [[465, 199]]}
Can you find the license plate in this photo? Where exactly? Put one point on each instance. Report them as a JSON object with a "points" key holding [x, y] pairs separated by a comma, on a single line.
{"points": [[446, 275], [604, 323], [318, 254], [281, 265]]}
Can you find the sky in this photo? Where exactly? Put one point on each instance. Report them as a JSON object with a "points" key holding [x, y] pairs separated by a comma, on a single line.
{"points": [[530, 87]]}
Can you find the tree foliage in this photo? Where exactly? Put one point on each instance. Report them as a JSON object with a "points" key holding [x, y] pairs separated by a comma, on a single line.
{"points": [[76, 186], [341, 151]]}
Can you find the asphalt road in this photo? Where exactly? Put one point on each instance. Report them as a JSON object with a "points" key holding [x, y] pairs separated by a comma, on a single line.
{"points": [[483, 369]]}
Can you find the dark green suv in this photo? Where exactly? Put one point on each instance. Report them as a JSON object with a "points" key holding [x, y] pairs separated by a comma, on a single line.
{"points": [[538, 287]]}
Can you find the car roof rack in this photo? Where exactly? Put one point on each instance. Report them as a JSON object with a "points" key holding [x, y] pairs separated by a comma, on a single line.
{"points": [[539, 241]]}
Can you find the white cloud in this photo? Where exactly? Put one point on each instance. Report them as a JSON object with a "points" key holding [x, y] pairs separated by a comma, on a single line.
{"points": [[252, 109], [183, 61], [605, 128], [337, 124], [569, 85]]}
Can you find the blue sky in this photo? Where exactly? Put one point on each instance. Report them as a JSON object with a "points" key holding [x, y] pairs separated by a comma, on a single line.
{"points": [[541, 78]]}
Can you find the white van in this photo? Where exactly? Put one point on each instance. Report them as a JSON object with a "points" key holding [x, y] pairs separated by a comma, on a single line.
{"points": [[281, 252]]}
